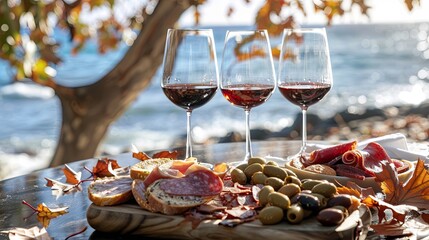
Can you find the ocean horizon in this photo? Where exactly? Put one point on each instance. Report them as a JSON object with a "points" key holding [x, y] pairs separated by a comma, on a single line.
{"points": [[374, 65]]}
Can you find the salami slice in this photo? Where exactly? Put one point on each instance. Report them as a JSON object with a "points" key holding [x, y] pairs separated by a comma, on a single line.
{"points": [[197, 183], [321, 156]]}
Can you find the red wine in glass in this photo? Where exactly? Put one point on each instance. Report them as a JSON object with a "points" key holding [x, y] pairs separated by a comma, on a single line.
{"points": [[247, 95], [304, 94], [189, 96]]}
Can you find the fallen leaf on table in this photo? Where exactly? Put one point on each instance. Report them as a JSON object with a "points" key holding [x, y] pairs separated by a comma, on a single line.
{"points": [[399, 212], [166, 154], [45, 214], [71, 176], [162, 154], [45, 211], [414, 192], [28, 233], [59, 187], [101, 169], [140, 156], [392, 229]]}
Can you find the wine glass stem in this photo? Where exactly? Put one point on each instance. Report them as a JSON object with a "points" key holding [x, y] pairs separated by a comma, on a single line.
{"points": [[188, 134], [248, 142], [304, 131]]}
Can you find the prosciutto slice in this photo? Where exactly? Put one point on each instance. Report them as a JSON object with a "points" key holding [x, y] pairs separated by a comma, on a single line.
{"points": [[173, 169], [325, 155], [368, 159]]}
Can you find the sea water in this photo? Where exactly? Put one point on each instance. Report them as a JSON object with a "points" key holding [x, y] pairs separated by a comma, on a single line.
{"points": [[373, 66]]}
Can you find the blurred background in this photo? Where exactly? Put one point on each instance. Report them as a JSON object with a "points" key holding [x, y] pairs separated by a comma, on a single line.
{"points": [[379, 61]]}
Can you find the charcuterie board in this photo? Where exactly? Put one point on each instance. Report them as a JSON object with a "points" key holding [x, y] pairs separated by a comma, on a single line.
{"points": [[131, 219]]}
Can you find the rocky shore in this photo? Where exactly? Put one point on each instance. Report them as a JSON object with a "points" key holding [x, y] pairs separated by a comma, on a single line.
{"points": [[352, 123]]}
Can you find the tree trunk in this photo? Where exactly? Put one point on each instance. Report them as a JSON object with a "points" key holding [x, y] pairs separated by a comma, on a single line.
{"points": [[88, 111]]}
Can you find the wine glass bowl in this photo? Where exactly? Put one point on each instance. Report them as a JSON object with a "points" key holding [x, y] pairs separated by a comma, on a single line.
{"points": [[305, 73], [247, 73], [190, 72]]}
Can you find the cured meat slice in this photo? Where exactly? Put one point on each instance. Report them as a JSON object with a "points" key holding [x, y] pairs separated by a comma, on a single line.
{"points": [[198, 182], [352, 172], [367, 159], [321, 156], [173, 169]]}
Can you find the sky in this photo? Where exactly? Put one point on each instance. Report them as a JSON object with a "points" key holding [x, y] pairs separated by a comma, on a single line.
{"points": [[382, 11]]}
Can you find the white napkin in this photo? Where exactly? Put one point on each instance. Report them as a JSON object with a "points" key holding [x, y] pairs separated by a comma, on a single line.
{"points": [[395, 145]]}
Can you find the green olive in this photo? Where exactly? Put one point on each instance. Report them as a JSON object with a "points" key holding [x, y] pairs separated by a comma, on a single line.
{"points": [[274, 171], [344, 200], [242, 166], [309, 184], [330, 216], [326, 189], [270, 215], [252, 168], [290, 189], [259, 160], [238, 176], [280, 200], [274, 182], [289, 172], [272, 163], [293, 179], [263, 195], [258, 178], [295, 214]]}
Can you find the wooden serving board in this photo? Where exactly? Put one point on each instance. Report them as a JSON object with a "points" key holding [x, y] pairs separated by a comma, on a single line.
{"points": [[131, 219]]}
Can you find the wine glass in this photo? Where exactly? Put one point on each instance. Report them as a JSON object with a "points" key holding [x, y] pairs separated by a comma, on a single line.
{"points": [[305, 74], [190, 72], [247, 73]]}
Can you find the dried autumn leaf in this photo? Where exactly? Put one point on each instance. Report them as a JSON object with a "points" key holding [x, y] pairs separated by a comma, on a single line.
{"points": [[353, 189], [60, 187], [45, 211], [414, 192], [28, 233], [101, 169], [392, 228], [166, 154], [71, 176], [399, 212], [140, 156]]}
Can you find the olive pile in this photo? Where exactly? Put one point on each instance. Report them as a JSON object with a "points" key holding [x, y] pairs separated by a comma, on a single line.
{"points": [[285, 196]]}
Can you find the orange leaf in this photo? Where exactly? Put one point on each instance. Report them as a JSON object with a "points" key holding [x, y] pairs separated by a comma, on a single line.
{"points": [[166, 154], [71, 176], [414, 192], [101, 169], [399, 212], [349, 191], [140, 156], [45, 214]]}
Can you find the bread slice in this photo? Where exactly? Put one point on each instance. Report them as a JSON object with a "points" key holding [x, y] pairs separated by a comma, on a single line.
{"points": [[154, 199], [110, 191], [142, 169]]}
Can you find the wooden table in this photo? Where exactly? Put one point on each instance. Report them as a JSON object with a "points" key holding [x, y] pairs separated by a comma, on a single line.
{"points": [[31, 188]]}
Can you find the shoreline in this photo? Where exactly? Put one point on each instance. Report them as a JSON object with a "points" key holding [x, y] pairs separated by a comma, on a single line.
{"points": [[365, 123]]}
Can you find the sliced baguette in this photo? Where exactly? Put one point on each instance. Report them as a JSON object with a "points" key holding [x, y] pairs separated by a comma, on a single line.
{"points": [[154, 199], [142, 169], [110, 191]]}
